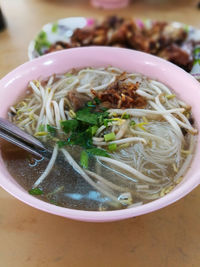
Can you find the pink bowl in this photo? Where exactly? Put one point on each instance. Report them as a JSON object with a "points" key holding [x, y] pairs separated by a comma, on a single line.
{"points": [[13, 85]]}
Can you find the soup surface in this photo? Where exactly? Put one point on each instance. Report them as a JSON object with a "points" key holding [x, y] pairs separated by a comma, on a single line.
{"points": [[117, 139]]}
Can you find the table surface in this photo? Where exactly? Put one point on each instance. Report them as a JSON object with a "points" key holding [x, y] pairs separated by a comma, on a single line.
{"points": [[29, 237]]}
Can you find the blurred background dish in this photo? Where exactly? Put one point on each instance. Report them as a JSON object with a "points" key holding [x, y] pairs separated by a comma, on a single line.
{"points": [[176, 42], [110, 4]]}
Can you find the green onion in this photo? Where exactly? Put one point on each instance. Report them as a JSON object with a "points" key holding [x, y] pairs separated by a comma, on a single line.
{"points": [[112, 147], [41, 128], [90, 104], [97, 152], [125, 116], [35, 191], [84, 159], [109, 137], [94, 129], [68, 74]]}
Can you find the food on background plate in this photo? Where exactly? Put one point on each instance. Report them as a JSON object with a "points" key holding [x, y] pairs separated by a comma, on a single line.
{"points": [[174, 42], [118, 139]]}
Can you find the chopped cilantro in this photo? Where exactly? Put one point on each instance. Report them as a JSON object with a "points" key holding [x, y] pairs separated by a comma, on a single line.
{"points": [[69, 126], [97, 152], [41, 42], [83, 139], [61, 143], [102, 116], [51, 129], [35, 191], [87, 116], [82, 128], [106, 121], [97, 100]]}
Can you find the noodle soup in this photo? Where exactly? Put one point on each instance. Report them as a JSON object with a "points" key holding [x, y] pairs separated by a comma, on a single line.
{"points": [[118, 139]]}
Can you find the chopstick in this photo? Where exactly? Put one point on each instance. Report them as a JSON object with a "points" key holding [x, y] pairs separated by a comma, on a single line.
{"points": [[16, 136]]}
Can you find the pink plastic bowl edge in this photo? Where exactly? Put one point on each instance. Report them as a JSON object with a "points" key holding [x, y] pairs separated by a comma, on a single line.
{"points": [[13, 84]]}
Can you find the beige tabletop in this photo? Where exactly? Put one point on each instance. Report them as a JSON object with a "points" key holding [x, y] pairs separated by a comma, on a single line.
{"points": [[28, 237]]}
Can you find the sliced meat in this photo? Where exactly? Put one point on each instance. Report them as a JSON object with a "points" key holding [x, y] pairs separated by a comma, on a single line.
{"points": [[77, 100], [177, 56], [58, 46], [82, 37], [160, 38]]}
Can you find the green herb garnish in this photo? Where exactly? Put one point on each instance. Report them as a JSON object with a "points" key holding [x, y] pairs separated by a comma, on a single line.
{"points": [[41, 42], [51, 129], [86, 115], [84, 159], [54, 28], [97, 100], [97, 152], [69, 126], [83, 139], [62, 143], [82, 128], [35, 191]]}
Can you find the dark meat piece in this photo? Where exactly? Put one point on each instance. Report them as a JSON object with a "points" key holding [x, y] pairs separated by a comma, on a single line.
{"points": [[82, 37], [121, 95], [177, 56], [113, 22], [100, 36], [58, 46], [161, 38], [77, 100]]}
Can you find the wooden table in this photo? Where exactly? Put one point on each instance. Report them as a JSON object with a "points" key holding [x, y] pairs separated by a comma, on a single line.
{"points": [[28, 237]]}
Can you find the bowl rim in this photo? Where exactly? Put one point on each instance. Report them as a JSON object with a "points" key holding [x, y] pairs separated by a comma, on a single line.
{"points": [[96, 216]]}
